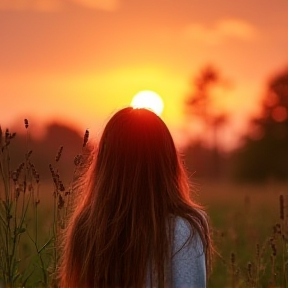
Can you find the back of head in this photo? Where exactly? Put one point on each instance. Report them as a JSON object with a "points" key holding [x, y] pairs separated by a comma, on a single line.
{"points": [[136, 182], [137, 158]]}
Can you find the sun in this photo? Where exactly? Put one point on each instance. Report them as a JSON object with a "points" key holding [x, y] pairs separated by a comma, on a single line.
{"points": [[148, 99]]}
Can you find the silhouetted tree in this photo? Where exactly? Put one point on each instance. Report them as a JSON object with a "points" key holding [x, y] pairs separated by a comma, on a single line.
{"points": [[265, 151], [199, 106]]}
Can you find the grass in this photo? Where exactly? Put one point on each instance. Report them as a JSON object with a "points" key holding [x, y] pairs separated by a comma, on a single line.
{"points": [[28, 238], [250, 233], [250, 225]]}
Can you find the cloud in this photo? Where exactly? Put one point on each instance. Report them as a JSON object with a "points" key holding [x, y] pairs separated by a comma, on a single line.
{"points": [[221, 31], [35, 5], [109, 5], [56, 5]]}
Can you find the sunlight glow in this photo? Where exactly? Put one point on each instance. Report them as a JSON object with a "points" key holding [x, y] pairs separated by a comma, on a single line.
{"points": [[148, 99]]}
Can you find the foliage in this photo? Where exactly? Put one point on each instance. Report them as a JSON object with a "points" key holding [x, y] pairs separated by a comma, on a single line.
{"points": [[200, 103], [264, 153], [201, 110]]}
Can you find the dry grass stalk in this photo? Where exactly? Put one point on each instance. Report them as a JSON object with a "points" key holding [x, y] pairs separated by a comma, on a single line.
{"points": [[19, 217], [19, 196]]}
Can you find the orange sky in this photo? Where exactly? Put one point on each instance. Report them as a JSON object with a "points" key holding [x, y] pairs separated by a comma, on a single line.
{"points": [[80, 60]]}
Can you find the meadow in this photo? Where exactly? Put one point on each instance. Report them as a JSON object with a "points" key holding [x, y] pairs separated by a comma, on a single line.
{"points": [[250, 231], [249, 224]]}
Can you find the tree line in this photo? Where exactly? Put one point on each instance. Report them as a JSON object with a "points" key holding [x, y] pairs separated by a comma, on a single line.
{"points": [[263, 154]]}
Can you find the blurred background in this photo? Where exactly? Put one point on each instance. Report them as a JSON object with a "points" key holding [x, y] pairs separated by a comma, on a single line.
{"points": [[221, 68]]}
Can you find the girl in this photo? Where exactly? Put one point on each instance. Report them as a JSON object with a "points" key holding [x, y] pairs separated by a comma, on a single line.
{"points": [[136, 225]]}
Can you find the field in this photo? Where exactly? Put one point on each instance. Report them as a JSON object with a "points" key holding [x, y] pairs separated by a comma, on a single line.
{"points": [[243, 218], [249, 225], [252, 251]]}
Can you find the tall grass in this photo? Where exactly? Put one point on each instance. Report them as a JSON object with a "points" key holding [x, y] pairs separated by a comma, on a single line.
{"points": [[250, 231], [28, 242]]}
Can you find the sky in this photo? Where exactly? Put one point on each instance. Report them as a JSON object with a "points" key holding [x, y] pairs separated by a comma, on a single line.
{"points": [[79, 61]]}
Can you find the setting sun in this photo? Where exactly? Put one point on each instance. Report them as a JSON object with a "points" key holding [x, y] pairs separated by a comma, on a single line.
{"points": [[148, 99]]}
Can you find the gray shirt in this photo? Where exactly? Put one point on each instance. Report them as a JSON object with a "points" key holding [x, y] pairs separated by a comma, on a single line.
{"points": [[187, 268]]}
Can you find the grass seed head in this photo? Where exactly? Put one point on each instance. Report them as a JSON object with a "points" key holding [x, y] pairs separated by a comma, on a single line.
{"points": [[77, 160], [258, 250], [7, 133], [277, 228], [233, 258], [15, 175], [34, 172], [28, 154], [7, 137], [61, 186], [26, 123], [58, 156], [61, 202], [273, 246], [86, 137], [249, 269]]}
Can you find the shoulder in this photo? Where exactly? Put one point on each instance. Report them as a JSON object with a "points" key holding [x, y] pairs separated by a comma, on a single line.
{"points": [[188, 258], [182, 226], [186, 236]]}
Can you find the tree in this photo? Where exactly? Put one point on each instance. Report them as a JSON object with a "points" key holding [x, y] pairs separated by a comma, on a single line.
{"points": [[264, 154], [200, 106]]}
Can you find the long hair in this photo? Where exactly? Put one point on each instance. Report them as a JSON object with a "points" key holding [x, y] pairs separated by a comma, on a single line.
{"points": [[119, 229]]}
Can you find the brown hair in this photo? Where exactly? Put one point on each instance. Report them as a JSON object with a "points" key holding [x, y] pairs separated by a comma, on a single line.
{"points": [[119, 229]]}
